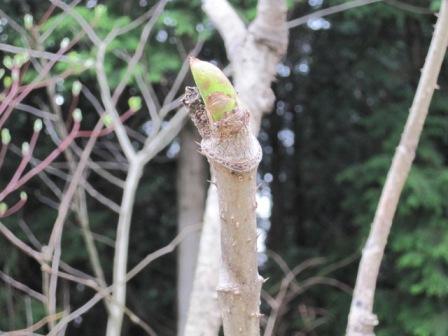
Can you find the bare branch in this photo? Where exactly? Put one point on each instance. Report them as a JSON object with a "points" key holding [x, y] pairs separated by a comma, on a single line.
{"points": [[81, 21], [362, 321], [140, 48], [109, 105], [22, 287], [164, 137], [329, 11]]}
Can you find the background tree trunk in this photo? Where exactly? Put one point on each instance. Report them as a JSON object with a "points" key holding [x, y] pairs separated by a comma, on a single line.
{"points": [[191, 177]]}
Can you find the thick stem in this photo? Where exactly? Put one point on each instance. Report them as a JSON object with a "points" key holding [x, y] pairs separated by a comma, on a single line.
{"points": [[253, 59], [361, 320], [121, 249], [239, 284], [234, 155]]}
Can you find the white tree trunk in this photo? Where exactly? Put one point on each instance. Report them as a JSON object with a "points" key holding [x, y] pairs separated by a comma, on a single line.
{"points": [[254, 53], [361, 320], [191, 178], [121, 249]]}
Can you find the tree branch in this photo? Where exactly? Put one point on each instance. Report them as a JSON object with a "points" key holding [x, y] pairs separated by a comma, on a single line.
{"points": [[270, 25], [227, 22], [361, 320]]}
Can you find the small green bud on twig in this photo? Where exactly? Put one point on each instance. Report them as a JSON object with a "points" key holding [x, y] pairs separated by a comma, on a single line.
{"points": [[2, 73], [135, 103], [25, 148], [3, 208], [216, 91], [100, 10], [21, 59], [107, 120], [6, 136], [37, 125], [64, 43], [7, 82], [23, 196], [89, 63], [28, 21], [76, 88], [8, 62], [77, 115]]}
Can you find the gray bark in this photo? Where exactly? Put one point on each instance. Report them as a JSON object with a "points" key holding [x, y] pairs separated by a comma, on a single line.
{"points": [[191, 176], [362, 320], [253, 53]]}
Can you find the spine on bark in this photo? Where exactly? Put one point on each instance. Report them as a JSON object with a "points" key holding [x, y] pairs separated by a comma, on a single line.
{"points": [[234, 154]]}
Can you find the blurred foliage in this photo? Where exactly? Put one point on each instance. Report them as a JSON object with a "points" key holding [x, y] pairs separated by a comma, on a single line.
{"points": [[344, 92]]}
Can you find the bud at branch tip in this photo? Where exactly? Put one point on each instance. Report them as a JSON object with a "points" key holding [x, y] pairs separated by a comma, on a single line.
{"points": [[135, 103], [3, 208], [217, 92], [37, 125], [6, 136], [77, 115]]}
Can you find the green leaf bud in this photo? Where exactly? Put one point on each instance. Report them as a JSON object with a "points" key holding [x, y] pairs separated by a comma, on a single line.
{"points": [[107, 120], [28, 21], [100, 10], [25, 148], [77, 115], [37, 125], [135, 103], [7, 82], [6, 136], [76, 88], [8, 62], [23, 196], [64, 43], [3, 208], [21, 59], [217, 92]]}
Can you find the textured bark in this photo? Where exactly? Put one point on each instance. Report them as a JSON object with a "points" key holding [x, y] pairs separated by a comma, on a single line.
{"points": [[191, 176], [253, 53], [361, 320], [234, 155]]}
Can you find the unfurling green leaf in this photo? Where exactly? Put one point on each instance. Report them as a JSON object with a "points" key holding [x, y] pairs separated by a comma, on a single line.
{"points": [[216, 91]]}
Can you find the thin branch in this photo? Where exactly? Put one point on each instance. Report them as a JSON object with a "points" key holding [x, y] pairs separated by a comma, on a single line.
{"points": [[87, 28], [164, 137], [329, 11], [22, 287], [362, 321], [139, 51], [36, 53]]}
